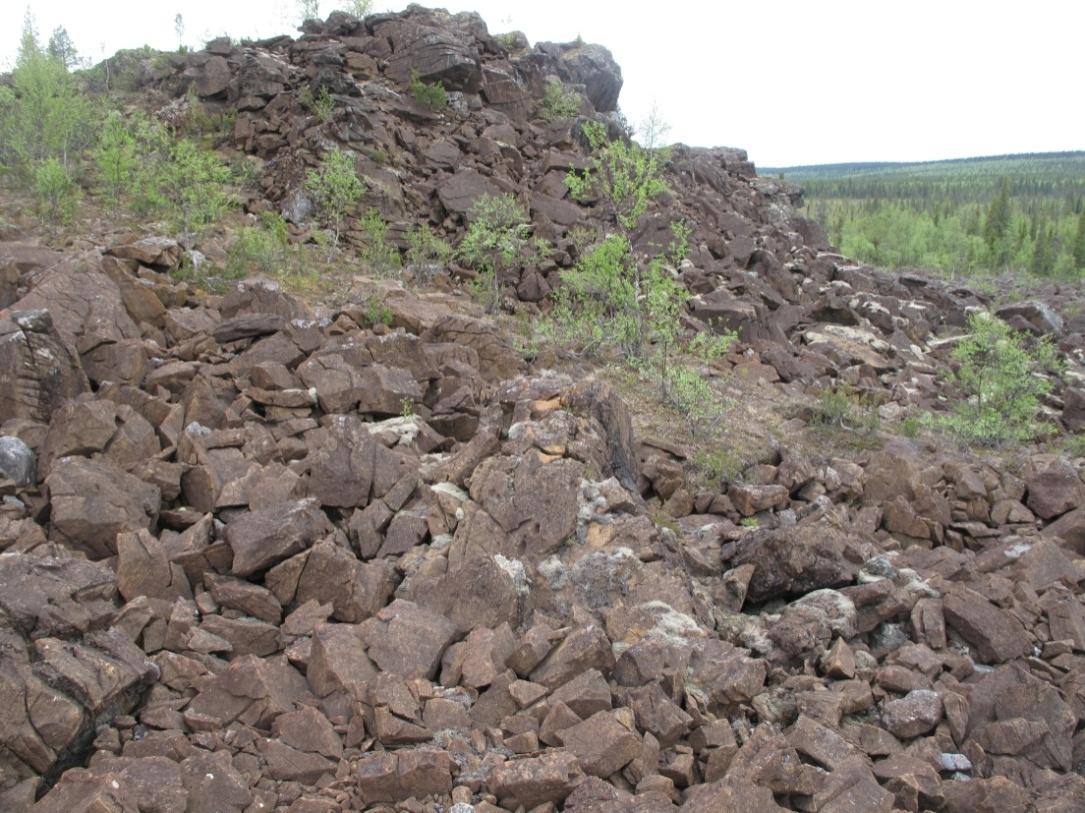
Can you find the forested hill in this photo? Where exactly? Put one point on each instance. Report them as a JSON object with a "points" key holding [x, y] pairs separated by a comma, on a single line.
{"points": [[1023, 214], [1045, 163]]}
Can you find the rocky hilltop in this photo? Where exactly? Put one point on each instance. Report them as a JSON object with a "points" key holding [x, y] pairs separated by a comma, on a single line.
{"points": [[239, 575]]}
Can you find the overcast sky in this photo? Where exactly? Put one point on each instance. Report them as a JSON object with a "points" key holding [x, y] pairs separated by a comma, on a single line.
{"points": [[801, 82]]}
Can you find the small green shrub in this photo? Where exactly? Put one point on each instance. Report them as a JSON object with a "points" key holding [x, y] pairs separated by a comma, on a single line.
{"points": [[337, 189], [116, 156], [377, 313], [321, 105], [359, 8], [427, 253], [429, 95], [749, 522], [715, 467], [378, 253], [557, 102], [263, 247], [711, 346], [687, 392], [55, 192], [497, 238], [193, 181], [847, 417], [43, 115], [1001, 382]]}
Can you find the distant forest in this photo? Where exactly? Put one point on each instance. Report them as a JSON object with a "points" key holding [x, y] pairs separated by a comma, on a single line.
{"points": [[1023, 214]]}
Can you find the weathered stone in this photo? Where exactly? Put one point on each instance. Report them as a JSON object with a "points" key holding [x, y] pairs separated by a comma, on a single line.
{"points": [[45, 371], [265, 536], [913, 715], [408, 640], [602, 744], [93, 501]]}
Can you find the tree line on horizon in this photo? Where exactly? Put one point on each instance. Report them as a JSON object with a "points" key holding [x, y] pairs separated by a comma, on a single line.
{"points": [[1020, 215]]}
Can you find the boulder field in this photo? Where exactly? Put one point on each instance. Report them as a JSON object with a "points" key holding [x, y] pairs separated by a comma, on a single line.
{"points": [[260, 554]]}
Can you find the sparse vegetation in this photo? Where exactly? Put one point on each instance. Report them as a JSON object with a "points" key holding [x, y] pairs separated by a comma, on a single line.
{"points": [[981, 216], [378, 253], [498, 235], [320, 104], [337, 189], [1000, 381], [428, 95], [847, 417], [427, 253], [558, 102]]}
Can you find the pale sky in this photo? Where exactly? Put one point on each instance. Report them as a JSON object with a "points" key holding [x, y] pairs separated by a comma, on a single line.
{"points": [[791, 81]]}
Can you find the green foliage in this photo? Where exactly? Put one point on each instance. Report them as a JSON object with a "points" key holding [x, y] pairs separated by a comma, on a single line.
{"points": [[264, 247], [378, 253], [1078, 250], [428, 95], [716, 466], [359, 8], [55, 192], [1001, 382], [427, 253], [497, 238], [197, 122], [967, 217], [847, 416], [309, 9], [61, 49], [321, 105], [193, 183], [749, 522], [117, 159], [44, 116], [337, 189], [377, 313], [623, 175], [689, 394], [558, 102], [711, 346]]}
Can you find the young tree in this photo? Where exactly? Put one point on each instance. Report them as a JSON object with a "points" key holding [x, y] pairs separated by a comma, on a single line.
{"points": [[194, 181], [309, 9], [116, 157], [497, 238], [179, 29], [337, 189], [62, 49], [1078, 249], [998, 221], [359, 8], [46, 116], [1001, 383]]}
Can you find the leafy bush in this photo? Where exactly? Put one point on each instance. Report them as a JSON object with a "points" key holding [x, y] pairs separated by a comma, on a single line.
{"points": [[264, 247], [711, 346], [321, 104], [689, 394], [359, 8], [1001, 382], [116, 156], [558, 102], [427, 253], [337, 188], [429, 95], [44, 116], [849, 416], [55, 191], [623, 175], [378, 252], [496, 239], [193, 180]]}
